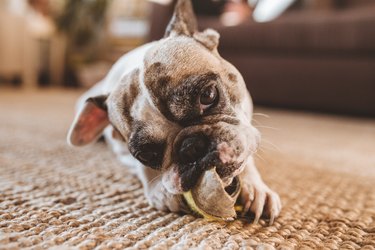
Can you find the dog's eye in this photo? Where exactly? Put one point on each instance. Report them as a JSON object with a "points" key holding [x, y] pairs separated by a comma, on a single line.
{"points": [[149, 158], [208, 96], [151, 155]]}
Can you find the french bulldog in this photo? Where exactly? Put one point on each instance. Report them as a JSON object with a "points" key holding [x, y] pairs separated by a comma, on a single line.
{"points": [[173, 108]]}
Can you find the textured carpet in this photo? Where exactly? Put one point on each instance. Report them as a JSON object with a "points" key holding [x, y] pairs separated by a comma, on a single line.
{"points": [[52, 196]]}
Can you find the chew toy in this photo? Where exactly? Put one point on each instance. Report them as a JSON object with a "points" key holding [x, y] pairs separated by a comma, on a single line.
{"points": [[211, 199]]}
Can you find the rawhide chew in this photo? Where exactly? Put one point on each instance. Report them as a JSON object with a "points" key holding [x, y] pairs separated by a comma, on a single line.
{"points": [[211, 199]]}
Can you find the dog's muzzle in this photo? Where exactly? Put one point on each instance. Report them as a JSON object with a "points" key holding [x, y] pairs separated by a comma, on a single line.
{"points": [[202, 148]]}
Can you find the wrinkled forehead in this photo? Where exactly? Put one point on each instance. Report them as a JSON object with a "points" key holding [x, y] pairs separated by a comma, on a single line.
{"points": [[181, 56]]}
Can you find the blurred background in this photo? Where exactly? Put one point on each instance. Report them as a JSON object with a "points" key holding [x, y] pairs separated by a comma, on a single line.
{"points": [[316, 55]]}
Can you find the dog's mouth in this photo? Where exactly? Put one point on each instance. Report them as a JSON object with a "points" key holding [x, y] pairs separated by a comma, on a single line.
{"points": [[189, 174], [177, 182], [228, 180], [226, 157]]}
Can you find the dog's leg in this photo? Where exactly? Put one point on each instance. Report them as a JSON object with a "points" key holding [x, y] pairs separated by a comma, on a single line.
{"points": [[256, 196]]}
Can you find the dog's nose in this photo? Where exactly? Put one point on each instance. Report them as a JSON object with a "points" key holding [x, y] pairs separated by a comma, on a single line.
{"points": [[193, 148]]}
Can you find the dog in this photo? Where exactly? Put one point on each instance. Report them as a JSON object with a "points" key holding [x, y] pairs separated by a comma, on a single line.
{"points": [[173, 108]]}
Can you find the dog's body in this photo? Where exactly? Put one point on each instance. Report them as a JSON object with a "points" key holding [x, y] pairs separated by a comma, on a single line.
{"points": [[172, 109]]}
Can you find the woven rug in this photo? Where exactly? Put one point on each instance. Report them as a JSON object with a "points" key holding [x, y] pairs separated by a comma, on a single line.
{"points": [[53, 196]]}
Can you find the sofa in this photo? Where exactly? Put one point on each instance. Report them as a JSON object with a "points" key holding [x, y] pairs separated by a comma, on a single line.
{"points": [[318, 55]]}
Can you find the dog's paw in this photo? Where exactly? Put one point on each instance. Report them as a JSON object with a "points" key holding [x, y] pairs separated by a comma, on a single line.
{"points": [[259, 199], [159, 198]]}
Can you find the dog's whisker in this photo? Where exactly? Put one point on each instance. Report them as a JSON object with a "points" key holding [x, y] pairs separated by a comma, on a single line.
{"points": [[256, 121], [261, 158], [261, 150], [262, 114], [261, 126], [153, 179], [265, 149], [271, 144]]}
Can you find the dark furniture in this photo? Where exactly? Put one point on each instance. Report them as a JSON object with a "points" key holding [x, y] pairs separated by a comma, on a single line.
{"points": [[313, 57]]}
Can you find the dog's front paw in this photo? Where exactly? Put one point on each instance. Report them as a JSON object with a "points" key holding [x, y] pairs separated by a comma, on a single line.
{"points": [[258, 198], [161, 199]]}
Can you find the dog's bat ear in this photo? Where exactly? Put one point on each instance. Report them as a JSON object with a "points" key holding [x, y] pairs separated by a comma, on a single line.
{"points": [[208, 38], [183, 21], [89, 122]]}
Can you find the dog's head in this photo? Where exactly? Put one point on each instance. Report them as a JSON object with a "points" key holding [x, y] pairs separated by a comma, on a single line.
{"points": [[182, 112]]}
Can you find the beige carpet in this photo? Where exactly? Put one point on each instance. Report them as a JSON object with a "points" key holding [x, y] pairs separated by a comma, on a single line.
{"points": [[52, 196]]}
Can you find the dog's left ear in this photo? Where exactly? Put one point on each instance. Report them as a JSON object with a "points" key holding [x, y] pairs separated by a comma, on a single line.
{"points": [[183, 21], [90, 122]]}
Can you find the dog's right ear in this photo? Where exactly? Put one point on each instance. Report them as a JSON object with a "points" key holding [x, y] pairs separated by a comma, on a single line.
{"points": [[183, 21], [90, 122]]}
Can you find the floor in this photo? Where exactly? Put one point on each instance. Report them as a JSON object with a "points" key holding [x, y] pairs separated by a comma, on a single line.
{"points": [[51, 195]]}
